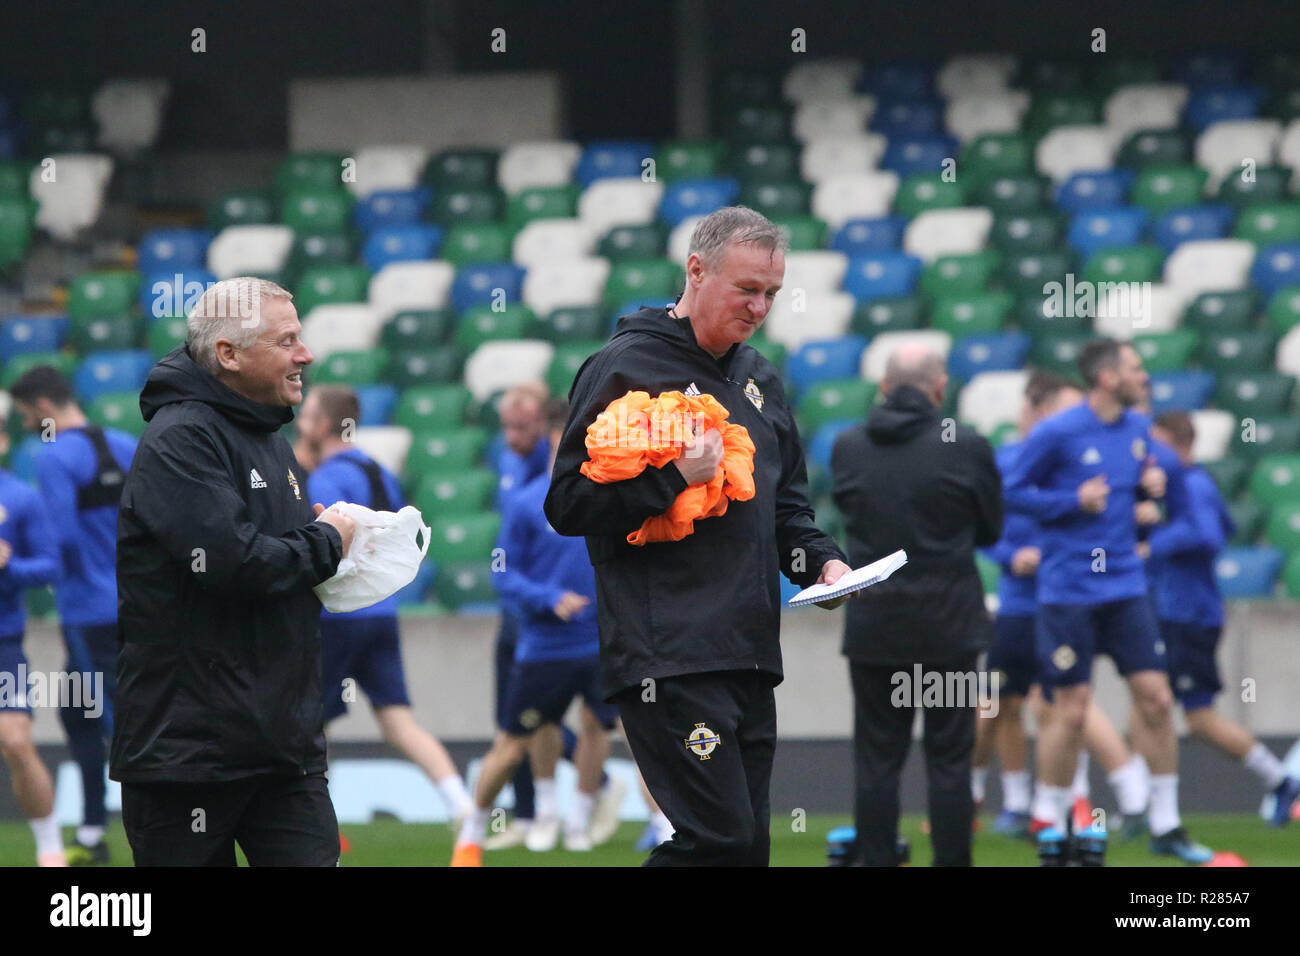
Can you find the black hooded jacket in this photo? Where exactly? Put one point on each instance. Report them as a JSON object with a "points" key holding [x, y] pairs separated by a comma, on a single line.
{"points": [[909, 479], [712, 601], [219, 671]]}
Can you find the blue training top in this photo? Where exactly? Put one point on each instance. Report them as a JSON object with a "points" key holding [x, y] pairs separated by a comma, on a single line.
{"points": [[34, 561], [1183, 552], [1016, 592]]}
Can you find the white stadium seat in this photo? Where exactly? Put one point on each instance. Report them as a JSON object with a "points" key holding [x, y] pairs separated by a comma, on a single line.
{"points": [[824, 315], [340, 327], [1204, 265], [679, 240], [823, 79], [619, 201], [883, 345], [386, 444], [1067, 150], [973, 114], [948, 232], [821, 270], [410, 285], [830, 156], [496, 366], [819, 119], [1214, 430], [854, 196], [382, 168], [537, 164], [572, 282], [979, 73], [552, 240], [1288, 352], [249, 250], [129, 114], [1288, 148], [1222, 146], [1145, 106], [991, 399], [73, 197], [1126, 309]]}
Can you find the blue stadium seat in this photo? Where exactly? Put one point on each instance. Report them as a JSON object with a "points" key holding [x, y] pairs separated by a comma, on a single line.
{"points": [[1000, 352], [788, 590], [392, 207], [1248, 572], [1094, 189], [1276, 266], [1207, 69], [906, 155], [823, 441], [1180, 390], [907, 117], [899, 81], [696, 197], [400, 244], [1096, 229], [825, 359], [22, 460], [636, 305], [9, 143], [1212, 104], [1189, 223], [417, 591], [173, 291], [473, 285], [26, 334], [881, 274], [860, 237], [175, 250], [611, 158], [377, 403], [103, 372]]}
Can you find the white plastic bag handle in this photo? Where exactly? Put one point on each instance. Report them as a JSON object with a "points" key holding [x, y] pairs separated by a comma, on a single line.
{"points": [[412, 524]]}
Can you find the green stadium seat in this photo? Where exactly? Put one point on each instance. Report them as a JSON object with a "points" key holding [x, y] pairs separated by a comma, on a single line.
{"points": [[1029, 272], [894, 314], [472, 242], [462, 169], [317, 210], [1230, 474], [1270, 184], [416, 329], [353, 367], [451, 495], [990, 572], [464, 538], [777, 198], [1283, 104], [1025, 232], [1030, 315], [1276, 435], [1139, 263], [757, 123], [1291, 576], [830, 520], [443, 452], [1012, 193], [806, 233], [166, 334], [99, 295], [462, 583], [482, 324], [571, 323], [16, 366], [765, 162], [954, 275], [1284, 309], [1265, 223], [486, 413], [309, 172], [1059, 75], [1249, 517], [324, 285], [1159, 188], [1153, 147], [432, 408], [14, 174], [317, 249], [972, 313], [1058, 353], [688, 159], [16, 216], [1112, 73], [628, 242], [103, 334], [430, 366], [1166, 351], [1006, 432], [996, 154], [1255, 395], [244, 207], [1051, 108], [1227, 311], [452, 206], [773, 351], [922, 191], [1276, 479], [738, 89], [566, 361], [643, 279], [828, 401], [543, 202], [1245, 351], [120, 410]]}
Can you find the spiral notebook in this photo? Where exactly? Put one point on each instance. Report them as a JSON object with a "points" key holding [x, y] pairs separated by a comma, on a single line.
{"points": [[863, 577]]}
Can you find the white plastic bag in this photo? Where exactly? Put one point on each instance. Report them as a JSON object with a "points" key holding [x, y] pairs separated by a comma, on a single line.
{"points": [[383, 558]]}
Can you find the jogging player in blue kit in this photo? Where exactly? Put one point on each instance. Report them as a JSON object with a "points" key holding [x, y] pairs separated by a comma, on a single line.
{"points": [[81, 469]]}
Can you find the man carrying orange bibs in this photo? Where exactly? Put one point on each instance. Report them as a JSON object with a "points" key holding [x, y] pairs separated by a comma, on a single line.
{"points": [[691, 492]]}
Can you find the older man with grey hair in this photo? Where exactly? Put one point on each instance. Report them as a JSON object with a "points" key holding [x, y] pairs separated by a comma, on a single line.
{"points": [[908, 479], [219, 738], [690, 629]]}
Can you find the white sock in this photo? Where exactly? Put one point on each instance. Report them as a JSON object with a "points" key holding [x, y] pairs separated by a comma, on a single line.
{"points": [[978, 775], [662, 828], [1051, 804], [1132, 786], [547, 805], [1015, 791], [89, 836], [1079, 788], [1261, 762], [474, 829], [1163, 813], [46, 831], [580, 812], [454, 794]]}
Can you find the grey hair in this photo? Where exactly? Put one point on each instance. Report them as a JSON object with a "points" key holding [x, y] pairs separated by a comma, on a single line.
{"points": [[733, 224], [231, 310], [916, 365]]}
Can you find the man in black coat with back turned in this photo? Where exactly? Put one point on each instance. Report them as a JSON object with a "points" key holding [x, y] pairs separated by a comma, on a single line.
{"points": [[219, 737], [908, 479]]}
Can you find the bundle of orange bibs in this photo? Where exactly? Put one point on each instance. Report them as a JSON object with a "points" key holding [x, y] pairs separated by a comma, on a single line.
{"points": [[637, 431]]}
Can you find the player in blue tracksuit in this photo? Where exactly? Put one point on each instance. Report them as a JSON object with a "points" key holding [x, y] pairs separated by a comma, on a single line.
{"points": [[1180, 562], [1078, 473], [29, 558], [80, 469], [363, 647]]}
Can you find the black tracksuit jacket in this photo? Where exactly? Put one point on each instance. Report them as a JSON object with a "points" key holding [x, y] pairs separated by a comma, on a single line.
{"points": [[219, 671], [712, 601]]}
